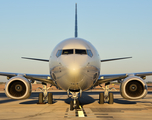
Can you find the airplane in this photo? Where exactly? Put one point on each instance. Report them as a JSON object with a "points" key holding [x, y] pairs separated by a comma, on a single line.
{"points": [[74, 66]]}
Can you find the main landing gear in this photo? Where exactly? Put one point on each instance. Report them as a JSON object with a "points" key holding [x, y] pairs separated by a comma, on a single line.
{"points": [[106, 96], [44, 96]]}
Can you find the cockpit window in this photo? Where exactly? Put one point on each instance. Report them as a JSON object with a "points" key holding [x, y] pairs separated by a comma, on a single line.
{"points": [[68, 51], [89, 53], [59, 53], [71, 51], [80, 51]]}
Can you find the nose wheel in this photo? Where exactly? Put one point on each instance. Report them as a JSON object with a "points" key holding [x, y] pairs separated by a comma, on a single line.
{"points": [[77, 104], [71, 105]]}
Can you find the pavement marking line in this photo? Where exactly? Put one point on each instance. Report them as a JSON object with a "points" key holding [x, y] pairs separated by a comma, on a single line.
{"points": [[80, 113]]}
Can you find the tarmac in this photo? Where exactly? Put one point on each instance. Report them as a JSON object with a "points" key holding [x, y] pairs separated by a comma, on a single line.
{"points": [[89, 108]]}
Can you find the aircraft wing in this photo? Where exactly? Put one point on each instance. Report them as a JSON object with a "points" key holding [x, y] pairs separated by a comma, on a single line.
{"points": [[106, 60], [112, 77], [44, 60], [38, 77]]}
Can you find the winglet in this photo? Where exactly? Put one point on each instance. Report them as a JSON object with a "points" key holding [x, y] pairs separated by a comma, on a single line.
{"points": [[76, 27]]}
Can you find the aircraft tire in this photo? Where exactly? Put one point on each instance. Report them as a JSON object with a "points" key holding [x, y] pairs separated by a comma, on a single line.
{"points": [[71, 105], [77, 104], [50, 98], [110, 98], [41, 98], [101, 98]]}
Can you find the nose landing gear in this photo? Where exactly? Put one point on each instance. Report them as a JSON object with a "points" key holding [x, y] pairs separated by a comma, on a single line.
{"points": [[76, 105], [75, 102]]}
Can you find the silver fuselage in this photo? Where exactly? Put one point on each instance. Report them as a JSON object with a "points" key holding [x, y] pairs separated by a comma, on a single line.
{"points": [[74, 71]]}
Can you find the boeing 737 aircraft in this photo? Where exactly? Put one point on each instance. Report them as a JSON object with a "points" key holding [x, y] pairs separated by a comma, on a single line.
{"points": [[75, 67]]}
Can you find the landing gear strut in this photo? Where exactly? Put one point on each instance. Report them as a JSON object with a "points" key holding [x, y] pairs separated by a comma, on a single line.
{"points": [[72, 106], [106, 96], [44, 96]]}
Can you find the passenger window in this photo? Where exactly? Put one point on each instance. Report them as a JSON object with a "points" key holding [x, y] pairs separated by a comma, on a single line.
{"points": [[68, 51], [80, 51], [59, 53], [89, 53]]}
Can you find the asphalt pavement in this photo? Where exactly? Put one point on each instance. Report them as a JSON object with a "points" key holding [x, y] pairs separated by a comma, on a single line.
{"points": [[89, 108]]}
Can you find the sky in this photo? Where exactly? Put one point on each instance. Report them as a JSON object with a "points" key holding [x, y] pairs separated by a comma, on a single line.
{"points": [[117, 28]]}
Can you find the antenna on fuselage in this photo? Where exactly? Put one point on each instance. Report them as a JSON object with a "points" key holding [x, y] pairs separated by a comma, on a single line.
{"points": [[76, 28]]}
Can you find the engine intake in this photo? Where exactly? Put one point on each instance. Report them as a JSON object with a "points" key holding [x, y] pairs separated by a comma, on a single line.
{"points": [[18, 88], [133, 87]]}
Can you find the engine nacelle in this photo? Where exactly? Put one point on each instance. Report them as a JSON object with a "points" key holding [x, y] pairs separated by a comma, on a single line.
{"points": [[18, 87], [133, 87]]}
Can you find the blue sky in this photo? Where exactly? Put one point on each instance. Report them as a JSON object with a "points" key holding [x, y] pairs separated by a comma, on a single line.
{"points": [[117, 28]]}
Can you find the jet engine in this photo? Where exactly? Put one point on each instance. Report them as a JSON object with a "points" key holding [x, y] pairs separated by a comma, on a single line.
{"points": [[18, 87], [133, 87]]}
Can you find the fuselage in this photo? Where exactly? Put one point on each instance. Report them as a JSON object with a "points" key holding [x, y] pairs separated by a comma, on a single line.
{"points": [[74, 64]]}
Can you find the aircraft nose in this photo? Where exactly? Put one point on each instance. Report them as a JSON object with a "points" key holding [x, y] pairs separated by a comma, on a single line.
{"points": [[75, 68], [75, 72]]}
